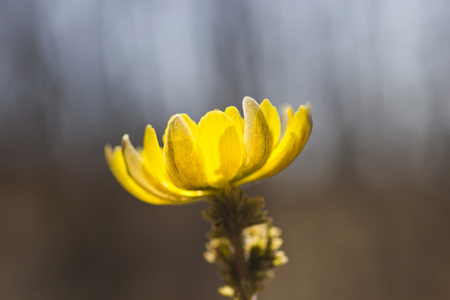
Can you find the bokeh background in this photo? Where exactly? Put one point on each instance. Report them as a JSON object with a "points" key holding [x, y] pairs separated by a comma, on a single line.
{"points": [[365, 209]]}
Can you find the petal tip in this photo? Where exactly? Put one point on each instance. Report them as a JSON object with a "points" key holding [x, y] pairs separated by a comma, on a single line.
{"points": [[125, 138], [176, 119], [308, 107], [108, 151], [149, 130], [286, 107], [247, 100], [126, 143], [266, 101], [308, 111]]}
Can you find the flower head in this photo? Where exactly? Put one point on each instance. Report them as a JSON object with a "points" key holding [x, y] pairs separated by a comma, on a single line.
{"points": [[202, 159]]}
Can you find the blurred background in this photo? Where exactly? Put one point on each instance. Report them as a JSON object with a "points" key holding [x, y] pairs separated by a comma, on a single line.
{"points": [[364, 209]]}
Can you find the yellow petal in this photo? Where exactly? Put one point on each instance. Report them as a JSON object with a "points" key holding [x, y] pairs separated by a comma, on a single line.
{"points": [[287, 117], [295, 138], [152, 153], [189, 122], [273, 120], [239, 123], [155, 168], [221, 148], [147, 179], [233, 113], [184, 162], [257, 137], [118, 167]]}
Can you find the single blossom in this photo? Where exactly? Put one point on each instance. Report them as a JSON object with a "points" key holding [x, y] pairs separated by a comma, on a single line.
{"points": [[201, 159]]}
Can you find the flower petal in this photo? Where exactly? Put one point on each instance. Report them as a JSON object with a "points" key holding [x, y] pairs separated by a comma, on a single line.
{"points": [[273, 120], [155, 168], [118, 167], [287, 117], [293, 141], [145, 178], [221, 148], [184, 162], [257, 138], [233, 113], [192, 126], [152, 153]]}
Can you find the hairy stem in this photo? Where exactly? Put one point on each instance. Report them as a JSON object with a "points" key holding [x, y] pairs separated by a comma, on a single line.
{"points": [[240, 264], [241, 242]]}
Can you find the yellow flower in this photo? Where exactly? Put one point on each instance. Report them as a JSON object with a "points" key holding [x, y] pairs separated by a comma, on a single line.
{"points": [[223, 149]]}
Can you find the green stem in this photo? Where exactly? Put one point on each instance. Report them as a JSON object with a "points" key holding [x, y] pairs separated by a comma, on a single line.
{"points": [[232, 214], [241, 265]]}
